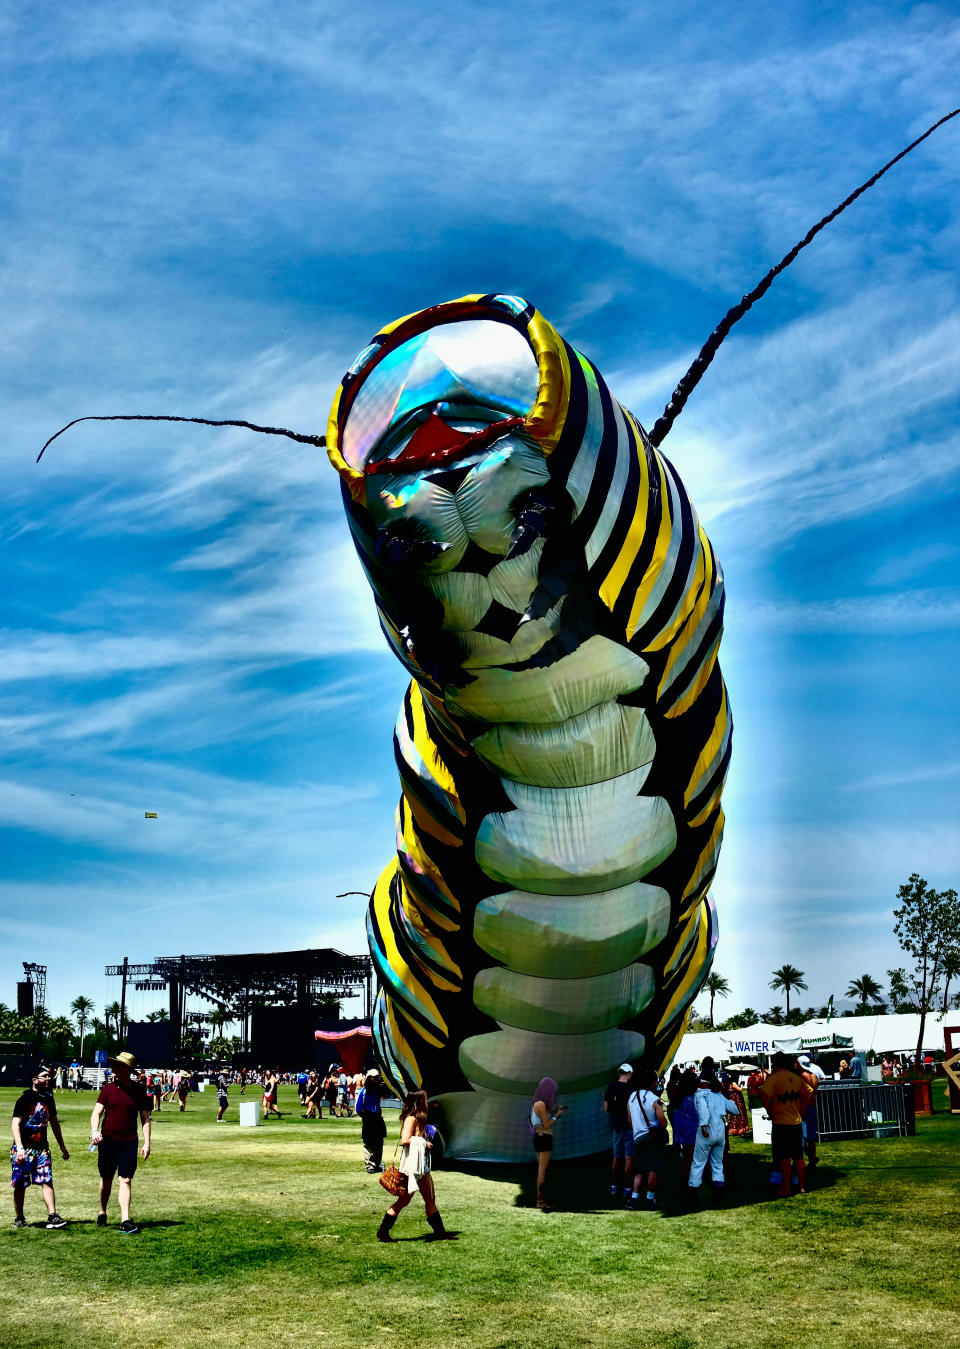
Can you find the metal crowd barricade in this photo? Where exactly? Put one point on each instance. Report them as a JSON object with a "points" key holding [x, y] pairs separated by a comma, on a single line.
{"points": [[865, 1109]]}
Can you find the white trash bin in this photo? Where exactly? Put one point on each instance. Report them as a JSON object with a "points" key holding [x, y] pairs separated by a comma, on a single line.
{"points": [[762, 1126], [249, 1114]]}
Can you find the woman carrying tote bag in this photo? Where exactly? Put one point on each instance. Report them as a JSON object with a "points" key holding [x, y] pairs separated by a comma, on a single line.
{"points": [[415, 1165]]}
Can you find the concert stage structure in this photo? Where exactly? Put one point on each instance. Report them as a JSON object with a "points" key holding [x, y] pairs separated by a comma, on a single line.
{"points": [[246, 987]]}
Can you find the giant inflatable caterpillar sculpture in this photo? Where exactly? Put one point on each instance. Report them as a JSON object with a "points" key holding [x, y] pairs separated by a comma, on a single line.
{"points": [[563, 744], [562, 747]]}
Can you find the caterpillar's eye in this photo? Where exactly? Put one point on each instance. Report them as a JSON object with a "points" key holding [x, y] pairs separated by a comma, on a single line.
{"points": [[466, 366]]}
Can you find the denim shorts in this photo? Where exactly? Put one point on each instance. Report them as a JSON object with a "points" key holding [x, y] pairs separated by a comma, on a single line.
{"points": [[622, 1142]]}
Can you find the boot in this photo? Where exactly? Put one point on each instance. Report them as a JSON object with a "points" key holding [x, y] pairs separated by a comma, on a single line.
{"points": [[440, 1233], [383, 1231]]}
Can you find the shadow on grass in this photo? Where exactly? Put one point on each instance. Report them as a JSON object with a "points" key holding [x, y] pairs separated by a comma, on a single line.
{"points": [[143, 1223], [582, 1185]]}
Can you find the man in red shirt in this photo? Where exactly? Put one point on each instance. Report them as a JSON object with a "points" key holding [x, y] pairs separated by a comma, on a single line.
{"points": [[120, 1106]]}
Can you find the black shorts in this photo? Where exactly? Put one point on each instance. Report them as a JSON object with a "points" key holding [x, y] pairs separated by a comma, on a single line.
{"points": [[543, 1142], [117, 1159], [647, 1156], [786, 1141]]}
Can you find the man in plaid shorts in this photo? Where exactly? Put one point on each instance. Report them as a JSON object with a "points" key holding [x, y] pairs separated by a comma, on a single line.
{"points": [[30, 1160]]}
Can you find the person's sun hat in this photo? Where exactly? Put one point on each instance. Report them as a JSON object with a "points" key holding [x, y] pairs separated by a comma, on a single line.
{"points": [[126, 1060]]}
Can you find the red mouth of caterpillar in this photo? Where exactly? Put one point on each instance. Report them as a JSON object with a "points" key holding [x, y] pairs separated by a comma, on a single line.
{"points": [[435, 443]]}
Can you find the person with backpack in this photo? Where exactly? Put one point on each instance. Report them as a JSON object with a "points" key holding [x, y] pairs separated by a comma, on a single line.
{"points": [[373, 1129]]}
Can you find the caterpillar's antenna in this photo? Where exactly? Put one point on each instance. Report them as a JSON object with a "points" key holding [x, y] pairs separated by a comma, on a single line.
{"points": [[319, 441], [709, 349]]}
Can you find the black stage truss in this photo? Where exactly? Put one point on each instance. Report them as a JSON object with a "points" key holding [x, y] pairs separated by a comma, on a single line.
{"points": [[240, 983]]}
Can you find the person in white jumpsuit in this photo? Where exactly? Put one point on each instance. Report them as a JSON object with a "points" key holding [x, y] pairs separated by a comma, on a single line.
{"points": [[712, 1107]]}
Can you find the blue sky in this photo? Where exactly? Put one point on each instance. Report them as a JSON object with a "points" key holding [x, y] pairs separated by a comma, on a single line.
{"points": [[210, 213]]}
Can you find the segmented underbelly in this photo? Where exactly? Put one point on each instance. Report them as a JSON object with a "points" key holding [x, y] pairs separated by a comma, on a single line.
{"points": [[570, 943]]}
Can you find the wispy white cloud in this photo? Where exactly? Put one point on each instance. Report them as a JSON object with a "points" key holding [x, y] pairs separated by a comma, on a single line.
{"points": [[909, 612], [912, 563], [200, 816], [764, 468], [905, 777], [219, 239]]}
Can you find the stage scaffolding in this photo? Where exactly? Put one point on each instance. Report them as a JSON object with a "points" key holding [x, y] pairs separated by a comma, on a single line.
{"points": [[239, 983]]}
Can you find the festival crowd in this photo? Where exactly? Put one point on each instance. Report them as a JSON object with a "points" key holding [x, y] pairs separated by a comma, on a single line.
{"points": [[703, 1108]]}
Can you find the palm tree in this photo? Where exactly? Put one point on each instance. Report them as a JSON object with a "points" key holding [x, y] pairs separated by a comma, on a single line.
{"points": [[865, 989], [717, 987], [951, 968], [82, 1008], [160, 1014], [60, 1032], [113, 1010], [787, 977]]}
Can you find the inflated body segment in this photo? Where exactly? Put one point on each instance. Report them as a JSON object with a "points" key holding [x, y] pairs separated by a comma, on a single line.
{"points": [[539, 570]]}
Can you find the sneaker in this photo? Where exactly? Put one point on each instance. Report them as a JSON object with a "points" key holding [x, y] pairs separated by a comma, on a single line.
{"points": [[19, 1222], [56, 1221], [633, 1203], [651, 1206], [129, 1227], [101, 1220], [614, 1191]]}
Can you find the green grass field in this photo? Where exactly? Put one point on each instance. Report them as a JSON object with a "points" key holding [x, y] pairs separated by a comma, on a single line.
{"points": [[266, 1237]]}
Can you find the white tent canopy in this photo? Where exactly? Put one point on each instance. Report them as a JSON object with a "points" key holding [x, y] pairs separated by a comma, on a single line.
{"points": [[896, 1033]]}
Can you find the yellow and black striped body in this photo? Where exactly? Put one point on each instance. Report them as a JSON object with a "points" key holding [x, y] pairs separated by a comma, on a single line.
{"points": [[564, 741]]}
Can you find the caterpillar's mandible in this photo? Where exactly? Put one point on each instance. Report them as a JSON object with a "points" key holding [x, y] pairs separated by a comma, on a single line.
{"points": [[539, 570]]}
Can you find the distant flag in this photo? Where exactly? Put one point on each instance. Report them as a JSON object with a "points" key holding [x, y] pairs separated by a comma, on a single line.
{"points": [[149, 814], [829, 1009]]}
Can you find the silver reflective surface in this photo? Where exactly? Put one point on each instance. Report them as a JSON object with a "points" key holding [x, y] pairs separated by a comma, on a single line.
{"points": [[478, 361]]}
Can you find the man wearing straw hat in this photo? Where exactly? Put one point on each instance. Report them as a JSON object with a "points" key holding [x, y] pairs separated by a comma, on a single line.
{"points": [[113, 1128]]}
